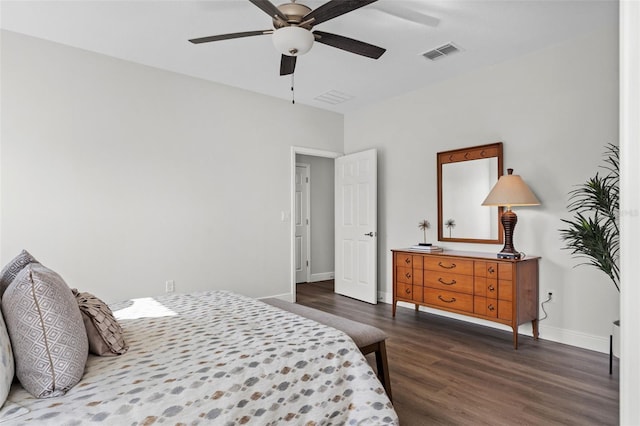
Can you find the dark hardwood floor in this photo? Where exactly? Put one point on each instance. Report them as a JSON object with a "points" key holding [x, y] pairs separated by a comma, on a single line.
{"points": [[450, 372]]}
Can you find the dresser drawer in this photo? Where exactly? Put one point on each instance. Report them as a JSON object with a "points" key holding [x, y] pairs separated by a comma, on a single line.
{"points": [[485, 287], [418, 276], [485, 269], [409, 292], [418, 293], [449, 282], [505, 271], [486, 307], [404, 275], [408, 275], [404, 259], [448, 264], [505, 310], [409, 260], [505, 290], [449, 300]]}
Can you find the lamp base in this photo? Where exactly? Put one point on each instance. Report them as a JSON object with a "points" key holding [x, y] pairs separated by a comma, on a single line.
{"points": [[508, 220], [504, 255]]}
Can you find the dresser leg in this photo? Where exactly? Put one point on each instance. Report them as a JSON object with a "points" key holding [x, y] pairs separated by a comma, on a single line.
{"points": [[393, 308], [534, 325], [417, 307], [515, 338]]}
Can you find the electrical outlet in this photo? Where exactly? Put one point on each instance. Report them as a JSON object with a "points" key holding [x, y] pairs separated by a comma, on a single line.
{"points": [[170, 286], [551, 295]]}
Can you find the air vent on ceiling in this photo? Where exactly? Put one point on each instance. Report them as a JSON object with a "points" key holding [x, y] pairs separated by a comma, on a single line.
{"points": [[441, 52], [334, 97]]}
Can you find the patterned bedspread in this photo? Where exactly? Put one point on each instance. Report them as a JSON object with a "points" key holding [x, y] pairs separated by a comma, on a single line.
{"points": [[217, 358]]}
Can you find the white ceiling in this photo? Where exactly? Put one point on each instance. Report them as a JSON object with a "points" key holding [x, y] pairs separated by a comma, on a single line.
{"points": [[155, 33]]}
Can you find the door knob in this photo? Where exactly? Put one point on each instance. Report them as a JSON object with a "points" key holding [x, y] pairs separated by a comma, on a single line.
{"points": [[370, 234]]}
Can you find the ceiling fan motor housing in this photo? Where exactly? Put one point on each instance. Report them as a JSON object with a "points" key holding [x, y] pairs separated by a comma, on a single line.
{"points": [[294, 13]]}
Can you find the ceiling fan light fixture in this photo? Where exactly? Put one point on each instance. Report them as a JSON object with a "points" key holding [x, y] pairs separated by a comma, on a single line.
{"points": [[292, 40]]}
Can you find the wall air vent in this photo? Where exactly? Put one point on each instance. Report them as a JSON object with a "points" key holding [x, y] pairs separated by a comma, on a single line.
{"points": [[334, 97], [441, 52]]}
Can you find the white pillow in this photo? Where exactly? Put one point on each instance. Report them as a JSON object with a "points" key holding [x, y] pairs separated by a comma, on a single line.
{"points": [[12, 268], [47, 333]]}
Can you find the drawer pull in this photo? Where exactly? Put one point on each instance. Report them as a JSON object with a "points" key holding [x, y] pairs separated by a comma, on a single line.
{"points": [[408, 291], [491, 270], [491, 287], [453, 265], [407, 260], [445, 283], [453, 299], [491, 307], [408, 275]]}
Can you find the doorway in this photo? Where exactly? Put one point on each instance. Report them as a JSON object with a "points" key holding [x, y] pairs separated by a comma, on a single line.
{"points": [[314, 219], [320, 245]]}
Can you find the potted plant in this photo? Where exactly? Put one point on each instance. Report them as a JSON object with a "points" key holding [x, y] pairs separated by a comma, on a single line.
{"points": [[592, 233], [424, 225]]}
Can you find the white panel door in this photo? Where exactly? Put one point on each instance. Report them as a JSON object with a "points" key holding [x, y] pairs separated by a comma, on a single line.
{"points": [[302, 223], [356, 226]]}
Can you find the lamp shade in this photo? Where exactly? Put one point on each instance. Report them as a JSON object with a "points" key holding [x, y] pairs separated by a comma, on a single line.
{"points": [[292, 40], [510, 190]]}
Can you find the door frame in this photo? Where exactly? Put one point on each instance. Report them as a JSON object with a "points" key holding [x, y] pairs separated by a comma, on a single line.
{"points": [[292, 205]]}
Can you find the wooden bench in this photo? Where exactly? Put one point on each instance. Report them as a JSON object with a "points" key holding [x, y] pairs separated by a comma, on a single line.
{"points": [[368, 338]]}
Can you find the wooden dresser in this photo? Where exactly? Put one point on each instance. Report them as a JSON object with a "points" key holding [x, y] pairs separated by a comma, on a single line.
{"points": [[468, 283]]}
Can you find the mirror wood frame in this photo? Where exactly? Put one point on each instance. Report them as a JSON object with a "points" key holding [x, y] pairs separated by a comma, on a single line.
{"points": [[469, 154]]}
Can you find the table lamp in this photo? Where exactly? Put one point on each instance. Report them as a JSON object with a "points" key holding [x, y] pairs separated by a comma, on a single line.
{"points": [[509, 191]]}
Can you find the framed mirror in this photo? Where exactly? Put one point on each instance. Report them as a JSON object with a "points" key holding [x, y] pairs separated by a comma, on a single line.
{"points": [[465, 178]]}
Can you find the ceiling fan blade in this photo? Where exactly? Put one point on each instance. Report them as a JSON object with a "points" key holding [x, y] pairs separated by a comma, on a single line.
{"points": [[335, 8], [229, 36], [287, 64], [408, 15], [349, 44], [270, 9]]}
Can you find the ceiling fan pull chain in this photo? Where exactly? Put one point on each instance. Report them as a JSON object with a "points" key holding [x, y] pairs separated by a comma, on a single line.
{"points": [[293, 93]]}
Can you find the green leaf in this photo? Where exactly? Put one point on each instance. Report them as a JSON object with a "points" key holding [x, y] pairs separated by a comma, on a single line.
{"points": [[592, 234]]}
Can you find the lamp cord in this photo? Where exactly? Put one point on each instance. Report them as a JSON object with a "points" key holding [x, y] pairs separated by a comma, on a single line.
{"points": [[543, 310]]}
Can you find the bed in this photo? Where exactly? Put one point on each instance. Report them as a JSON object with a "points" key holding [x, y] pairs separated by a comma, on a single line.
{"points": [[216, 358]]}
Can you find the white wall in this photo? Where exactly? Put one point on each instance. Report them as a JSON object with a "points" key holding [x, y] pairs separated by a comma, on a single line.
{"points": [[121, 176], [554, 110], [322, 216]]}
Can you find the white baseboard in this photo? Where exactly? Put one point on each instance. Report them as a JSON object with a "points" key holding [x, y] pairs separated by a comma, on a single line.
{"points": [[554, 334], [322, 276], [385, 298], [575, 338], [284, 296]]}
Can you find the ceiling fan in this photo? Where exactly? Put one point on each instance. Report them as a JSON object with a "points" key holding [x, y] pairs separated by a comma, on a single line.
{"points": [[292, 30]]}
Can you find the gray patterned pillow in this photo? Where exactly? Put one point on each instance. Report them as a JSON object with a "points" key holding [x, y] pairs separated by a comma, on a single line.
{"points": [[12, 268], [7, 368], [103, 330], [47, 333]]}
